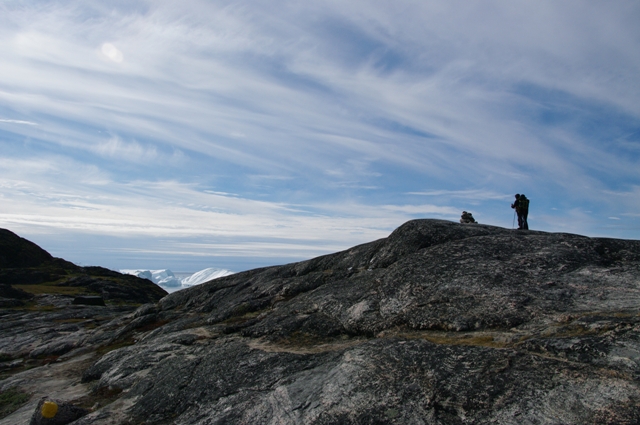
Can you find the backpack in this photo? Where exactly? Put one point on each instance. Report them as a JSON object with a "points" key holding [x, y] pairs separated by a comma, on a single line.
{"points": [[523, 203]]}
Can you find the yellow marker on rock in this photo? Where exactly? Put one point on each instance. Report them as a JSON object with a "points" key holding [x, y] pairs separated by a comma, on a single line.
{"points": [[49, 409]]}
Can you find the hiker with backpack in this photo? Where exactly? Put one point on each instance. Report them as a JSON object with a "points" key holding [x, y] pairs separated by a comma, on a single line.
{"points": [[521, 205]]}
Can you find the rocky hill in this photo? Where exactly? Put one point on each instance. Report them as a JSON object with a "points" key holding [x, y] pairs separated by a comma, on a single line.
{"points": [[27, 270], [440, 323]]}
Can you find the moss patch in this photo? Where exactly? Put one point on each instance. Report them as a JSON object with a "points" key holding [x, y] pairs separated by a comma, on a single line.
{"points": [[151, 326], [98, 398], [300, 339], [569, 332], [52, 289], [241, 319], [120, 344], [35, 307], [478, 339], [11, 400], [471, 340]]}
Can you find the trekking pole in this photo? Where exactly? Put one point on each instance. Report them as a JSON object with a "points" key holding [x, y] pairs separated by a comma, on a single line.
{"points": [[513, 225]]}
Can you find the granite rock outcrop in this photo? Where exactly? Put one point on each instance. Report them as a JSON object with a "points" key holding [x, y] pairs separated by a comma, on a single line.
{"points": [[439, 323]]}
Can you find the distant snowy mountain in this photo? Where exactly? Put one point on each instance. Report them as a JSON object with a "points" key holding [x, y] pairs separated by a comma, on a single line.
{"points": [[170, 282]]}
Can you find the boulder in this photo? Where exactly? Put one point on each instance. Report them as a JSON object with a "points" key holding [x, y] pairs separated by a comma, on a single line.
{"points": [[50, 411]]}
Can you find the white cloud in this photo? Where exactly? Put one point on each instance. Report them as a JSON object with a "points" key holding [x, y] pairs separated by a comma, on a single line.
{"points": [[112, 52], [133, 151], [169, 209]]}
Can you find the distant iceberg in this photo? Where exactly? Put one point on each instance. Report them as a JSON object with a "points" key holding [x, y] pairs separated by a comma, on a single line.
{"points": [[169, 281], [205, 276]]}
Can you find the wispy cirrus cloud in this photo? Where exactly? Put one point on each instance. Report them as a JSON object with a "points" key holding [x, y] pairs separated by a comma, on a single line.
{"points": [[17, 122], [319, 115], [466, 194]]}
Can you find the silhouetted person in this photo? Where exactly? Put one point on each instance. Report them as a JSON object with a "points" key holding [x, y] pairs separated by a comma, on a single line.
{"points": [[516, 206], [524, 211], [521, 205]]}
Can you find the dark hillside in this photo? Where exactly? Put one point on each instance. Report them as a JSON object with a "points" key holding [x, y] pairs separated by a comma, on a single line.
{"points": [[17, 252], [25, 268]]}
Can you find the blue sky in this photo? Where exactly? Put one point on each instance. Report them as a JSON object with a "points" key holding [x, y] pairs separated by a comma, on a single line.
{"points": [[237, 134]]}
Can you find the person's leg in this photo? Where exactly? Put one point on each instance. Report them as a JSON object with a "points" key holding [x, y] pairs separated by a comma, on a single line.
{"points": [[519, 221]]}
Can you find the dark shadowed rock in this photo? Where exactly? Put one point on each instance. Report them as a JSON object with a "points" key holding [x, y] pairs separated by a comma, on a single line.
{"points": [[11, 297], [7, 291], [113, 286], [17, 252], [88, 300]]}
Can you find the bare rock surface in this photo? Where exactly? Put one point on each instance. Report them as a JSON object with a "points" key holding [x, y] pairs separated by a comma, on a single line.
{"points": [[440, 323]]}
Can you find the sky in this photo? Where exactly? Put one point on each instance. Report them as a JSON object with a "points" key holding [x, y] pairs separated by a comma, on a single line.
{"points": [[240, 134]]}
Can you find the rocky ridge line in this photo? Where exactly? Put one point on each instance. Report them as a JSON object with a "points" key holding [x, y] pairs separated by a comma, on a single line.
{"points": [[440, 323]]}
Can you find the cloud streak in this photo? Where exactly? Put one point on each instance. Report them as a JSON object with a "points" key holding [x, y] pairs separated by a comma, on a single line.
{"points": [[17, 122]]}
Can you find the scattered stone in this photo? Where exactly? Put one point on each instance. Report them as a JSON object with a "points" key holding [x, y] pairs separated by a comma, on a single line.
{"points": [[56, 412]]}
